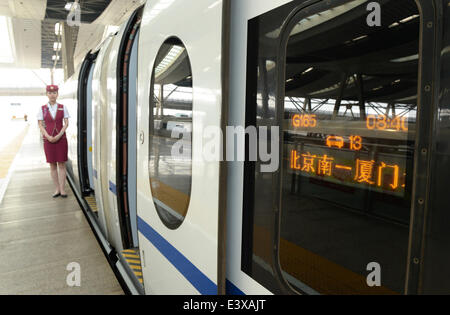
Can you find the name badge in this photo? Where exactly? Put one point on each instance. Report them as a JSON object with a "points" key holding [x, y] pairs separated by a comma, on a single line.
{"points": [[61, 109]]}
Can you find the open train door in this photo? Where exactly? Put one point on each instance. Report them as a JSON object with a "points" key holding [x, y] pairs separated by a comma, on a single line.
{"points": [[181, 195], [85, 169]]}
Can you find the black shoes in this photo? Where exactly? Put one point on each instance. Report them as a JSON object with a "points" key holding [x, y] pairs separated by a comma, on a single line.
{"points": [[59, 195]]}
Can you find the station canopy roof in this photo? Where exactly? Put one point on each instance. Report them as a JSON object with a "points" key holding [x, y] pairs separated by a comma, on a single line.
{"points": [[29, 28]]}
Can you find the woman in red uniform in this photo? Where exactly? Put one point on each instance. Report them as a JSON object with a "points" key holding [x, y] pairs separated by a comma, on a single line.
{"points": [[53, 121]]}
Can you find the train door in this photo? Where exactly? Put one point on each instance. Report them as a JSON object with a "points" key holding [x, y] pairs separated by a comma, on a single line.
{"points": [[109, 146], [97, 141], [130, 160], [85, 167], [89, 129], [178, 190], [126, 132], [345, 91], [126, 145]]}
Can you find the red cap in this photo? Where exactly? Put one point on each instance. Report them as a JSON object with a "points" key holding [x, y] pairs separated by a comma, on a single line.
{"points": [[52, 88]]}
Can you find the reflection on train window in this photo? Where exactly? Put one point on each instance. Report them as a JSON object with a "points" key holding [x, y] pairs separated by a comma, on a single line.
{"points": [[348, 148], [170, 162]]}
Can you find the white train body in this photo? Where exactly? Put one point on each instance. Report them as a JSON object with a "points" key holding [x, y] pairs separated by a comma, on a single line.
{"points": [[178, 68]]}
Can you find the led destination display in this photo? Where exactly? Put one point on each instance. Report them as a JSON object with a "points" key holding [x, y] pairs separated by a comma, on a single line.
{"points": [[366, 160]]}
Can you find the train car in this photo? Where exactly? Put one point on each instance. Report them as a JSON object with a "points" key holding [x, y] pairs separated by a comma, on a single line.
{"points": [[329, 173]]}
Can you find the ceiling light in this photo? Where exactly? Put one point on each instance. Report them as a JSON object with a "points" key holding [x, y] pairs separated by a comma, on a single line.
{"points": [[58, 29], [6, 53], [394, 25], [173, 55], [412, 17], [68, 6], [307, 70], [359, 38], [406, 59], [57, 46]]}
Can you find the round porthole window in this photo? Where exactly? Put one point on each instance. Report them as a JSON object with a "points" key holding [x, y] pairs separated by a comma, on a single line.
{"points": [[170, 160]]}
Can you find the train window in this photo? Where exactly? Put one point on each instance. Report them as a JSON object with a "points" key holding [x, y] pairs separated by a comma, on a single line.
{"points": [[170, 162], [344, 92], [348, 148]]}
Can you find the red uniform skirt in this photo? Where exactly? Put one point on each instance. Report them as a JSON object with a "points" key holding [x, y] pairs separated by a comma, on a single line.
{"points": [[56, 152]]}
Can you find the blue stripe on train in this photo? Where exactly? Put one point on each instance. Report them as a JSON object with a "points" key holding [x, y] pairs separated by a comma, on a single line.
{"points": [[113, 188], [197, 278], [231, 289]]}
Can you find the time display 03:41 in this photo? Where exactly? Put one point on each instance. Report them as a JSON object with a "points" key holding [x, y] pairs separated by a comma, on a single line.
{"points": [[385, 123], [373, 122]]}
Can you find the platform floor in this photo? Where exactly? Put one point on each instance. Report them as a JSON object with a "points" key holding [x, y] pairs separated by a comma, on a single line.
{"points": [[40, 236]]}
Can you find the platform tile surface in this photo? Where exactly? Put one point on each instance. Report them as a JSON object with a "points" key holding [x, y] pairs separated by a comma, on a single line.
{"points": [[41, 236]]}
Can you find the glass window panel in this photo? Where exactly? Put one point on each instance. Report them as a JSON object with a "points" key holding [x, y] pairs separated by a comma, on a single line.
{"points": [[170, 162], [348, 148]]}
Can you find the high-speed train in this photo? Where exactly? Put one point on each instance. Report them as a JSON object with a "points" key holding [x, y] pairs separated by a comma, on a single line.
{"points": [[269, 147]]}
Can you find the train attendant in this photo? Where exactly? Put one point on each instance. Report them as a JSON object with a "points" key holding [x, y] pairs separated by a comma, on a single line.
{"points": [[53, 122]]}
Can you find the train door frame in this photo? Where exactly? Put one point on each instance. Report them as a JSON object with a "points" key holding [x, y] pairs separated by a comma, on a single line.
{"points": [[127, 215], [428, 101], [429, 34], [97, 140], [171, 264], [109, 147], [132, 143], [436, 255], [239, 282], [84, 124], [222, 282]]}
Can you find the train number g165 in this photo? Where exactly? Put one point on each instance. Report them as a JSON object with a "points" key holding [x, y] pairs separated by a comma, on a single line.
{"points": [[304, 121]]}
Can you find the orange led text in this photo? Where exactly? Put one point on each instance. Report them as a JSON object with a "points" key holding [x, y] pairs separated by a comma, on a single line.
{"points": [[304, 121], [385, 123], [366, 172], [334, 141]]}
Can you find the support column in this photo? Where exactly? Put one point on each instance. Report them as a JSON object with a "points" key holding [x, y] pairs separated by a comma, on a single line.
{"points": [[161, 101], [391, 106], [362, 101], [342, 87]]}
